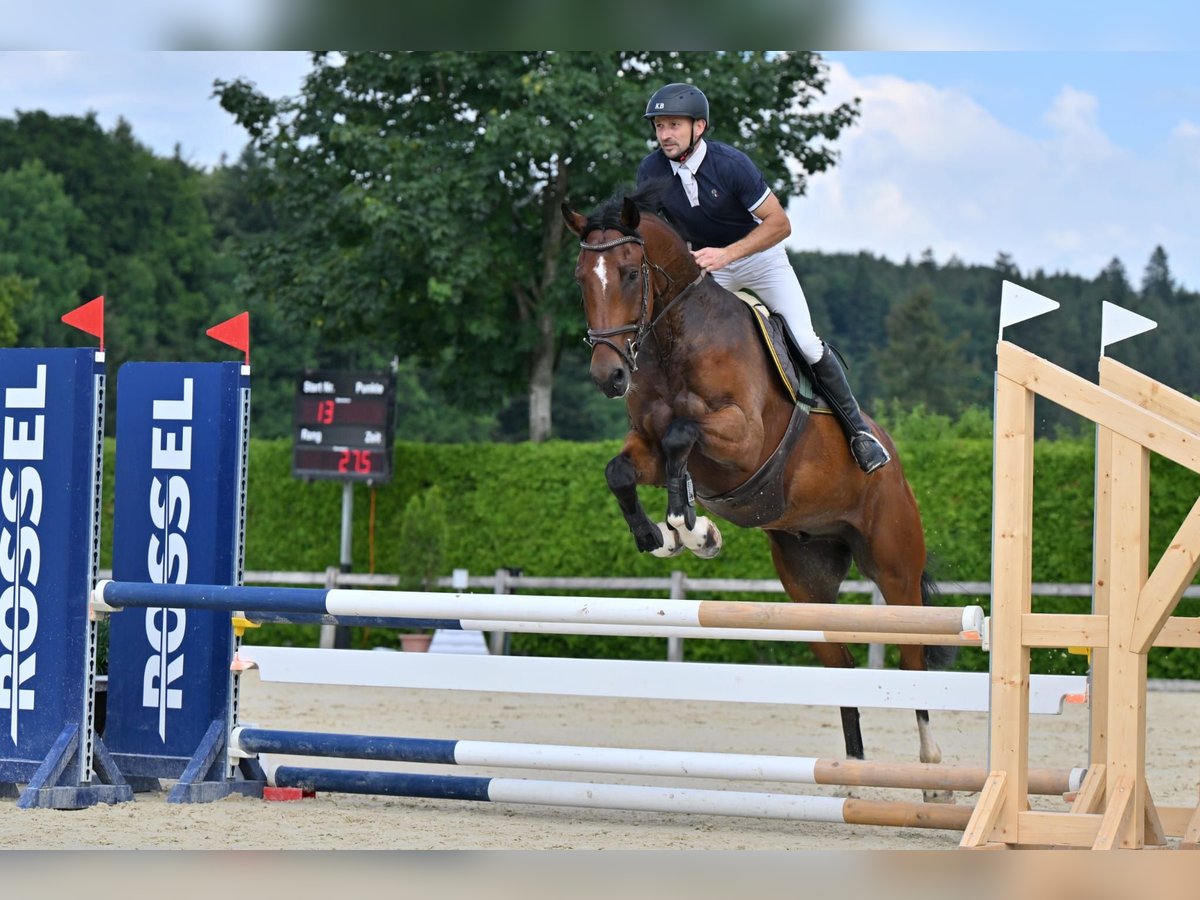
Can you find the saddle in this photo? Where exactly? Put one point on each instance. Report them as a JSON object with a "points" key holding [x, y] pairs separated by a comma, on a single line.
{"points": [[795, 378]]}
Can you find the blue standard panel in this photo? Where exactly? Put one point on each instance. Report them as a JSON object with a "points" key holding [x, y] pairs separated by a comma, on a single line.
{"points": [[47, 410], [175, 520]]}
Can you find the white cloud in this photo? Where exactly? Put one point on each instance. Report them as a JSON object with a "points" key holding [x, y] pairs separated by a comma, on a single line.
{"points": [[931, 168], [1187, 130]]}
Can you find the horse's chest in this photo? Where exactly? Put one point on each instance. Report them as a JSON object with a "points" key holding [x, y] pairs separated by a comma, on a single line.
{"points": [[657, 415]]}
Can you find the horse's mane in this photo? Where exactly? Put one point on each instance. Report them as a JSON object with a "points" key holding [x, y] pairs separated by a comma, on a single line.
{"points": [[647, 198]]}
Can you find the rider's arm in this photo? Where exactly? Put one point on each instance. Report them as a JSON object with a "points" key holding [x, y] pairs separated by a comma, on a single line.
{"points": [[774, 226]]}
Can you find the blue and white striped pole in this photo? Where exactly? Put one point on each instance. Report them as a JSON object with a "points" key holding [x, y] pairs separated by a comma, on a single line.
{"points": [[110, 596], [639, 798], [625, 761]]}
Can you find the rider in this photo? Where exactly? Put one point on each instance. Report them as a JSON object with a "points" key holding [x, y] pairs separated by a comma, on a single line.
{"points": [[737, 227]]}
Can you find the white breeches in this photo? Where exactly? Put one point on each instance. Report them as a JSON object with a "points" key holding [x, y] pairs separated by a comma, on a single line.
{"points": [[771, 277]]}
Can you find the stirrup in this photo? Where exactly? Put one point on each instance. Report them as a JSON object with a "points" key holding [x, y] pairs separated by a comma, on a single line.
{"points": [[868, 452]]}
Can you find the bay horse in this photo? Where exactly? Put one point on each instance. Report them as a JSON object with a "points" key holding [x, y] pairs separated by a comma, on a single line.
{"points": [[709, 418]]}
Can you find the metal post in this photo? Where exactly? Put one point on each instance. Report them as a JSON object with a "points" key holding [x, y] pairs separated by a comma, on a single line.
{"points": [[498, 640], [341, 633], [329, 632], [875, 651], [678, 592]]}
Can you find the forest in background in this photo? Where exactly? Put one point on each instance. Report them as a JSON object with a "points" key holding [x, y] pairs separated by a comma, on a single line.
{"points": [[175, 249]]}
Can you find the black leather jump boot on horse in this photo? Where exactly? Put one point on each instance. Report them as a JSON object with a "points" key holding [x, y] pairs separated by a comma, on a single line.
{"points": [[832, 382]]}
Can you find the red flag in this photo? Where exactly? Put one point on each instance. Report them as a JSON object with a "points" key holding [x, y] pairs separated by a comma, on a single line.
{"points": [[89, 318], [235, 332]]}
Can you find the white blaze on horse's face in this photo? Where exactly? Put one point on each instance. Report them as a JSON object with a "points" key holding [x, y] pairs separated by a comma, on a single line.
{"points": [[601, 271]]}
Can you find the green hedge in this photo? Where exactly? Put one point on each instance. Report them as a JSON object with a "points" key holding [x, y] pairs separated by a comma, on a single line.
{"points": [[545, 508]]}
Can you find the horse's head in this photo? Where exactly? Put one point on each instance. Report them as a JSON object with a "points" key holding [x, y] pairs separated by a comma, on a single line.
{"points": [[625, 264]]}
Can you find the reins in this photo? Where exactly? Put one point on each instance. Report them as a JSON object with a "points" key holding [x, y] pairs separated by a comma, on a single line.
{"points": [[644, 325]]}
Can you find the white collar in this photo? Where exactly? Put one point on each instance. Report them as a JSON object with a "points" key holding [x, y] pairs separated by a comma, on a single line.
{"points": [[692, 163]]}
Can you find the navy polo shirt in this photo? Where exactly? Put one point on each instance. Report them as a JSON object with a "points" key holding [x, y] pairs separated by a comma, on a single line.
{"points": [[729, 186]]}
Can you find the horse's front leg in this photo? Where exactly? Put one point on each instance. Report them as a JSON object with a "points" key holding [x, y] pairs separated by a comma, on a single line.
{"points": [[697, 533], [638, 464]]}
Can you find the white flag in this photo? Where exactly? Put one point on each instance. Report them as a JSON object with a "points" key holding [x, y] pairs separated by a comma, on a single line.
{"points": [[1018, 304], [1118, 323]]}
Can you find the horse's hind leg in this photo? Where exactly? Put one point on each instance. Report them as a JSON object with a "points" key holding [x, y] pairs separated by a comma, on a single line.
{"points": [[901, 581], [912, 658], [811, 571], [697, 533]]}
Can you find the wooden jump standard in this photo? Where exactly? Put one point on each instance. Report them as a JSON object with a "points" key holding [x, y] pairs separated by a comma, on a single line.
{"points": [[1132, 610]]}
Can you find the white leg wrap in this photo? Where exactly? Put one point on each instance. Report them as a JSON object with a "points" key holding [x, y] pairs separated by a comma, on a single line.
{"points": [[704, 540], [671, 543]]}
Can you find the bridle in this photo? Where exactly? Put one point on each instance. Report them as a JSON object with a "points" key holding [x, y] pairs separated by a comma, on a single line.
{"points": [[644, 324]]}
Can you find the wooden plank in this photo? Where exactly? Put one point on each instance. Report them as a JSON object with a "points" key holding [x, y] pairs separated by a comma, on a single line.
{"points": [[978, 832], [1041, 829], [1191, 832], [1129, 534], [1012, 553], [1175, 819], [1179, 631], [1118, 816], [1064, 630], [1058, 829], [1168, 581], [1155, 834], [1090, 797], [1099, 405], [1150, 394], [1102, 545]]}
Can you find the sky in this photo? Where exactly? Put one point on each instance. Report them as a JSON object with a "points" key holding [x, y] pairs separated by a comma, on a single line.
{"points": [[1063, 159]]}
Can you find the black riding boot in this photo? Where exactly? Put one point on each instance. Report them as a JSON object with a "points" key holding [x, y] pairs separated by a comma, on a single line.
{"points": [[831, 380]]}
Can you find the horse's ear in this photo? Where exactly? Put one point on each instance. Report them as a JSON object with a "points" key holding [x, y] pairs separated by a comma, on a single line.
{"points": [[573, 219], [629, 214]]}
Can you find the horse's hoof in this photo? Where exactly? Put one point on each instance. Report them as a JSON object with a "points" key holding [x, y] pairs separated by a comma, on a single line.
{"points": [[938, 796], [710, 543], [671, 545]]}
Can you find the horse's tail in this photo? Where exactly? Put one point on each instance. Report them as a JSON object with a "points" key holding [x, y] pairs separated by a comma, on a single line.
{"points": [[939, 657]]}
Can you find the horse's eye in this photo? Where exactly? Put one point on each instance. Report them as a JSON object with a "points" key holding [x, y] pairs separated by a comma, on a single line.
{"points": [[631, 276]]}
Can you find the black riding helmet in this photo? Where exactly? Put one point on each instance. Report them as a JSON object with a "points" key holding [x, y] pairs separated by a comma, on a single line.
{"points": [[678, 100]]}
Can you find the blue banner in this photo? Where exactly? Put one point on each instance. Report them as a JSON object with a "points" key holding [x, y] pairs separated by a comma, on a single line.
{"points": [[179, 483], [49, 464]]}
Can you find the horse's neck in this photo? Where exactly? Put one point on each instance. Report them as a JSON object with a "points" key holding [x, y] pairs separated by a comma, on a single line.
{"points": [[707, 314]]}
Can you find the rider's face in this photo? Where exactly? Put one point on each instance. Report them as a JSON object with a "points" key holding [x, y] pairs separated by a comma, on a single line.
{"points": [[675, 133]]}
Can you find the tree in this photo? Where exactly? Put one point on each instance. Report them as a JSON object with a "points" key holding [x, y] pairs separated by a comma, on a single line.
{"points": [[1115, 283], [39, 230], [1158, 287], [14, 293], [920, 364], [418, 194], [86, 211]]}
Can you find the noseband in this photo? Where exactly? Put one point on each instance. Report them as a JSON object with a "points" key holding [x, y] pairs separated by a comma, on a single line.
{"points": [[644, 325]]}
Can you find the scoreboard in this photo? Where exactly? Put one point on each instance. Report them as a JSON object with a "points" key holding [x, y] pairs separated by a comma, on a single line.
{"points": [[344, 422]]}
